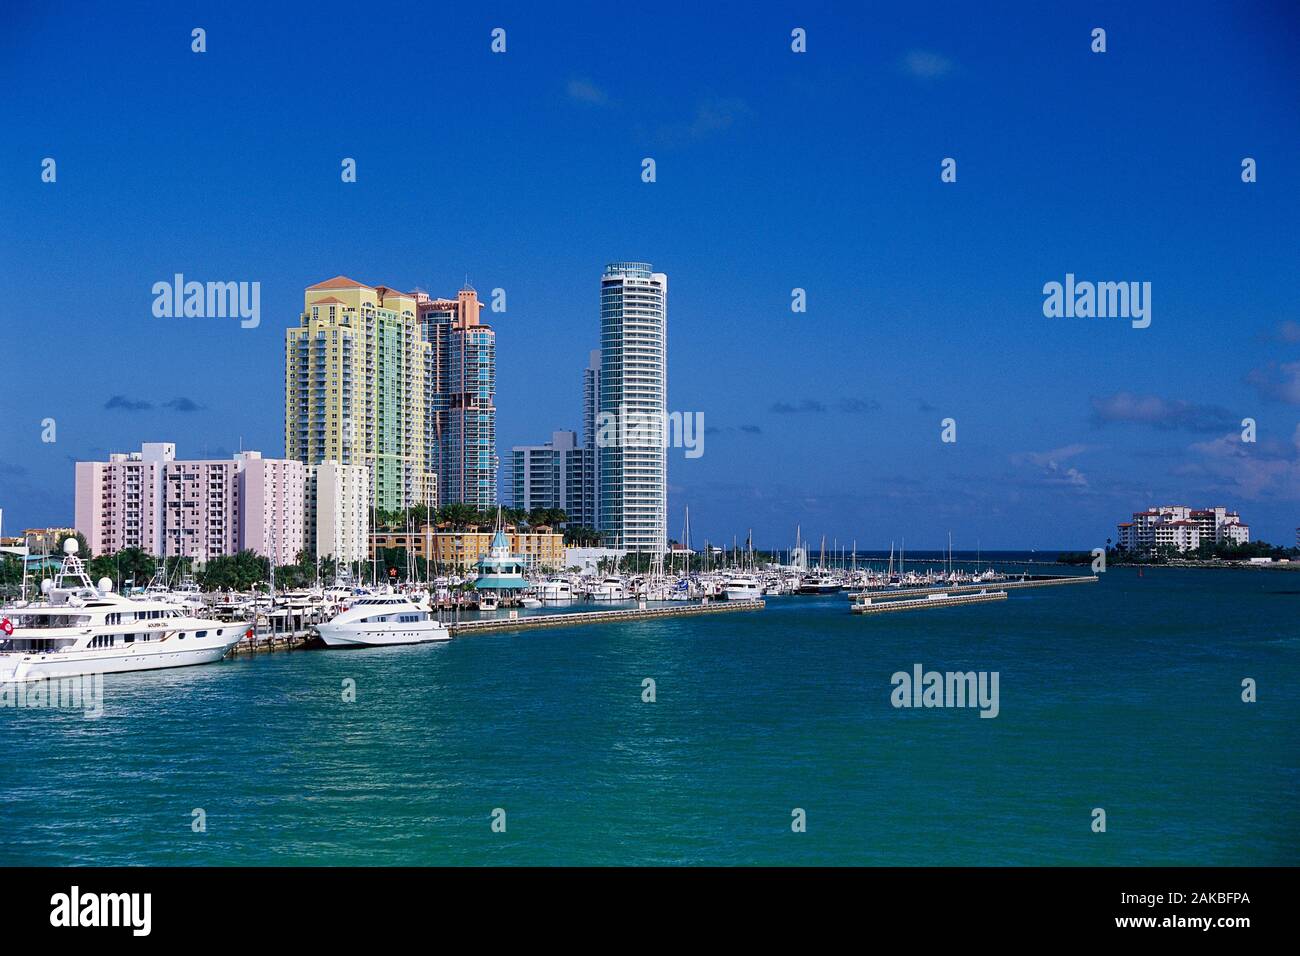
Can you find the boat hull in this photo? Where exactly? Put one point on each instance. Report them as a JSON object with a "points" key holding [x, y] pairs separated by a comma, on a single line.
{"points": [[377, 635], [30, 667]]}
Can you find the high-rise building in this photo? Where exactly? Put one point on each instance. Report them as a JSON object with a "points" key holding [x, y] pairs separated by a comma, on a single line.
{"points": [[460, 430], [201, 508], [355, 371], [631, 455], [272, 506], [196, 509], [338, 511], [553, 475], [119, 502], [590, 478]]}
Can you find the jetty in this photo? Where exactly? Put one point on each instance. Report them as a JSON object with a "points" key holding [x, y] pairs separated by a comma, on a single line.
{"points": [[264, 639], [267, 639], [520, 622], [884, 603], [1043, 581]]}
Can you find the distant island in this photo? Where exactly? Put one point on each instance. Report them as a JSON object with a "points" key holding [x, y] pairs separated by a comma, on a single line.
{"points": [[1224, 554]]}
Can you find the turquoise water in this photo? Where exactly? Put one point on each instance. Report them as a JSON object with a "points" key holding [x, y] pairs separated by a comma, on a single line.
{"points": [[1123, 695]]}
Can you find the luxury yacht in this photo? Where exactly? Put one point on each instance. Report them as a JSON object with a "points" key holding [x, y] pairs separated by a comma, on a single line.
{"points": [[379, 620], [818, 582], [81, 628], [557, 591], [742, 587], [610, 588]]}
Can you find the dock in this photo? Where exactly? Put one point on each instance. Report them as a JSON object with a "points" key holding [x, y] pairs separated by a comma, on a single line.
{"points": [[1035, 582], [268, 639], [517, 622], [882, 604]]}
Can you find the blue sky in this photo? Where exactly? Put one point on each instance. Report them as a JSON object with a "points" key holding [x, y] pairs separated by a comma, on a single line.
{"points": [[775, 170]]}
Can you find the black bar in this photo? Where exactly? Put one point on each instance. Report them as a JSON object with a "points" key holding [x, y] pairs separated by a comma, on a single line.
{"points": [[302, 905]]}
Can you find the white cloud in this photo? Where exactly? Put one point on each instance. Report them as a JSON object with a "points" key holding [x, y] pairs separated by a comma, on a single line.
{"points": [[925, 64], [586, 91]]}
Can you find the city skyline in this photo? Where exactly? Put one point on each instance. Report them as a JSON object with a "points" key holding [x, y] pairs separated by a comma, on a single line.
{"points": [[924, 298]]}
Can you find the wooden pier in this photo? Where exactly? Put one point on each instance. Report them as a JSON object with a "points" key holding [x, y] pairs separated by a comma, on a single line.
{"points": [[266, 641], [519, 622]]}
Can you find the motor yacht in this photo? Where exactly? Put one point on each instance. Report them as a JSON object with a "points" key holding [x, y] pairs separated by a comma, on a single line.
{"points": [[557, 591], [742, 587], [609, 588], [380, 620], [84, 628]]}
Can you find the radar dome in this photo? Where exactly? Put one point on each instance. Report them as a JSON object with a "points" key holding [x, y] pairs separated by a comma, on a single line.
{"points": [[46, 584], [71, 546], [106, 584]]}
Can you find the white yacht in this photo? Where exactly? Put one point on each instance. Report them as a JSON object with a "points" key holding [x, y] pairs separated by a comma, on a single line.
{"points": [[742, 587], [557, 591], [379, 620], [82, 628], [610, 588]]}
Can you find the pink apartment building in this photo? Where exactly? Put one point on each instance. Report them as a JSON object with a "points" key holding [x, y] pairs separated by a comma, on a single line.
{"points": [[195, 509], [119, 502], [201, 509]]}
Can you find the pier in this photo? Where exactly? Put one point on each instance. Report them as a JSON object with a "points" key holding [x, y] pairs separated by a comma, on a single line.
{"points": [[881, 604], [269, 639], [1034, 582], [265, 639], [526, 622]]}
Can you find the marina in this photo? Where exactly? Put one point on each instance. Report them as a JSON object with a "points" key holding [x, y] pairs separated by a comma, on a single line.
{"points": [[499, 594], [548, 722]]}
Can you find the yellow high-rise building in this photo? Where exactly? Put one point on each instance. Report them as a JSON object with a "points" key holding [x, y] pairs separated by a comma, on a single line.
{"points": [[354, 388]]}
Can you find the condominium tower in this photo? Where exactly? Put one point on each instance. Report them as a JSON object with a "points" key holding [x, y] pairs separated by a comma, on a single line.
{"points": [[554, 475], [590, 516], [632, 465], [460, 427], [355, 371]]}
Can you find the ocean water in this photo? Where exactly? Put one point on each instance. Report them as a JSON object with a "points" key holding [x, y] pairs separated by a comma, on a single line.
{"points": [[1124, 695]]}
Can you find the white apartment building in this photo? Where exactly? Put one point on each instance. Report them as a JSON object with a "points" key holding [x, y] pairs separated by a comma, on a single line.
{"points": [[338, 511], [633, 474], [1180, 527], [272, 506]]}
